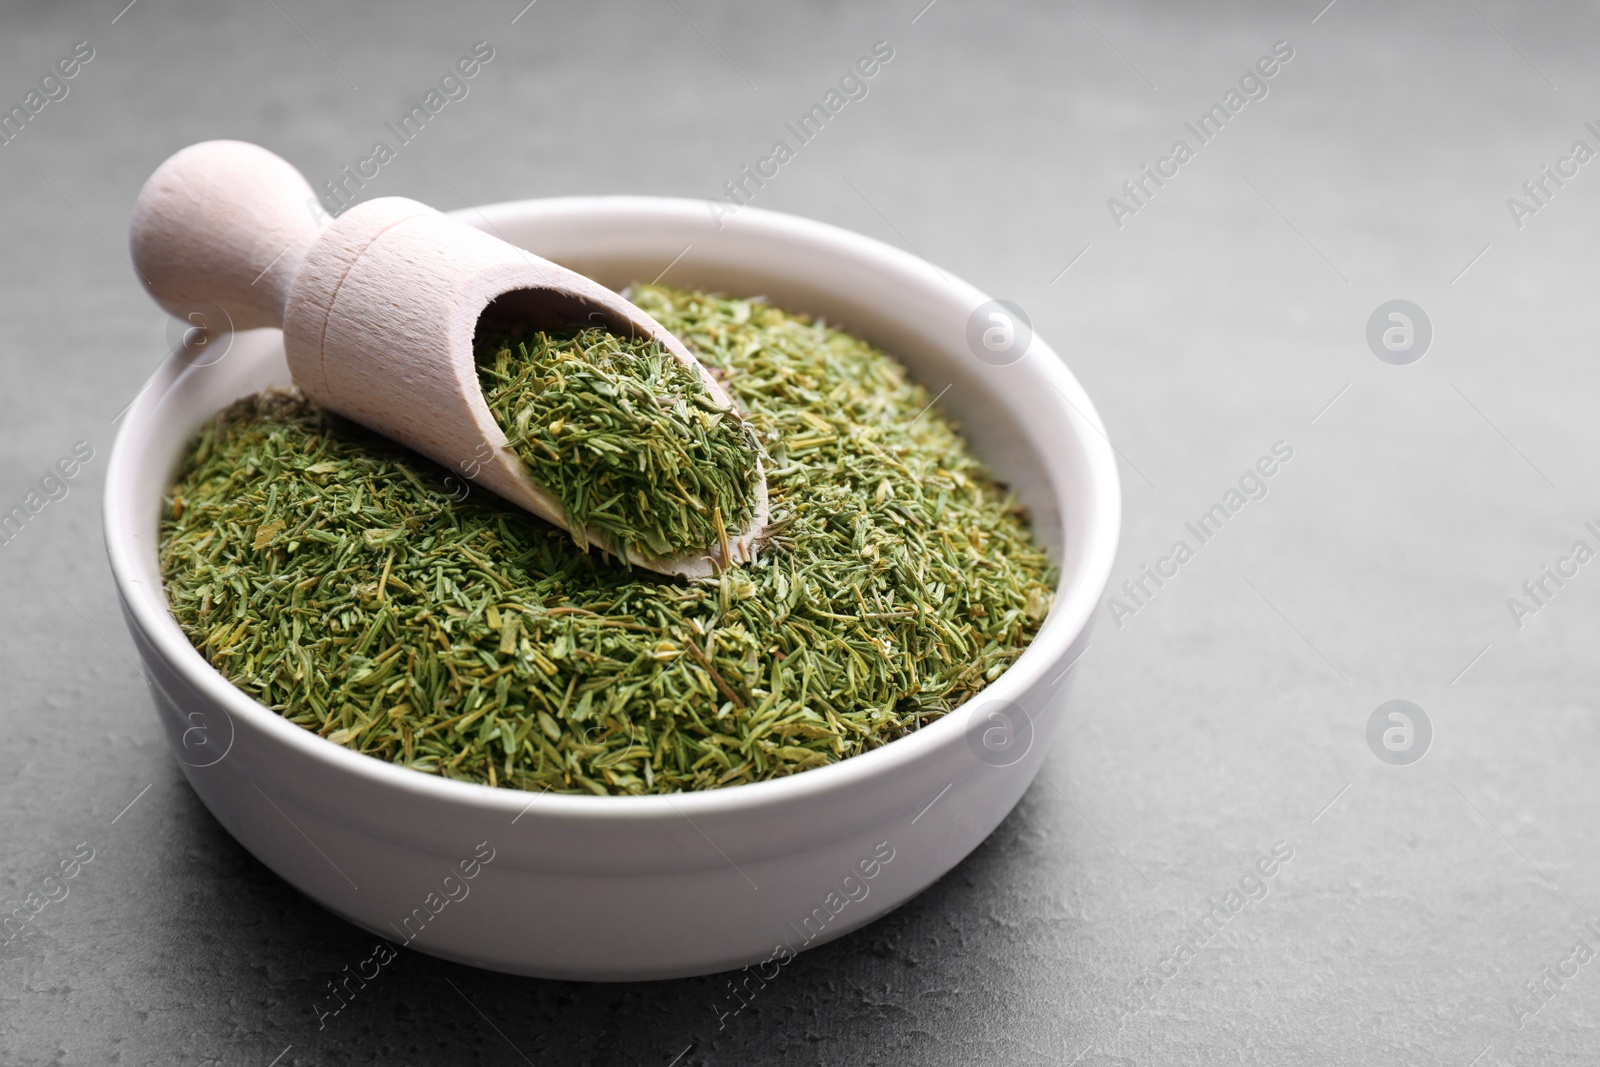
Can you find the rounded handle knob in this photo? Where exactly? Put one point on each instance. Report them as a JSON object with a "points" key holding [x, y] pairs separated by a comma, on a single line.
{"points": [[223, 225]]}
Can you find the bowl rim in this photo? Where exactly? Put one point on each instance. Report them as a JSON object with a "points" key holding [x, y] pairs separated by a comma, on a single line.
{"points": [[1069, 618]]}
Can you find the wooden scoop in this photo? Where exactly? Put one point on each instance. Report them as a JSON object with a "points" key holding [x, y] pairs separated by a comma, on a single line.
{"points": [[379, 310]]}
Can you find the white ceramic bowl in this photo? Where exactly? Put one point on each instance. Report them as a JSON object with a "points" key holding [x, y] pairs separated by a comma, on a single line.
{"points": [[621, 888]]}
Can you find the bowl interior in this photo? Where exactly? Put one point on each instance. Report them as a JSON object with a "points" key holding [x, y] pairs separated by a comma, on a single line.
{"points": [[1030, 422]]}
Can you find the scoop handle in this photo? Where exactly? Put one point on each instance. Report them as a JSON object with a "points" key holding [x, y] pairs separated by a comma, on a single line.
{"points": [[223, 226]]}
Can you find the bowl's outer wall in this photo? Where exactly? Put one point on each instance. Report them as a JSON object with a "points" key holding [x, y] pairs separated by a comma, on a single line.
{"points": [[601, 888], [611, 900]]}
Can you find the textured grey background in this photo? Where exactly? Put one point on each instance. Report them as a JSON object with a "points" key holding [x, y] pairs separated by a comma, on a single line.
{"points": [[1226, 715]]}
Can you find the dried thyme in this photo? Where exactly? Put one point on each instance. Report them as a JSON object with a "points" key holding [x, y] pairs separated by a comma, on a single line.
{"points": [[332, 577], [627, 438]]}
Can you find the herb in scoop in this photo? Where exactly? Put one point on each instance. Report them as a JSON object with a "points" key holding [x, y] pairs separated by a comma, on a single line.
{"points": [[334, 577], [627, 438]]}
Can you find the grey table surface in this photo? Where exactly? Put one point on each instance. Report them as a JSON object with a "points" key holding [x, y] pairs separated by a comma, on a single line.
{"points": [[1221, 314]]}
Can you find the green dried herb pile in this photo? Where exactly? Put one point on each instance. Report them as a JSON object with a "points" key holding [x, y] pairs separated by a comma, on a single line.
{"points": [[333, 577], [627, 438]]}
